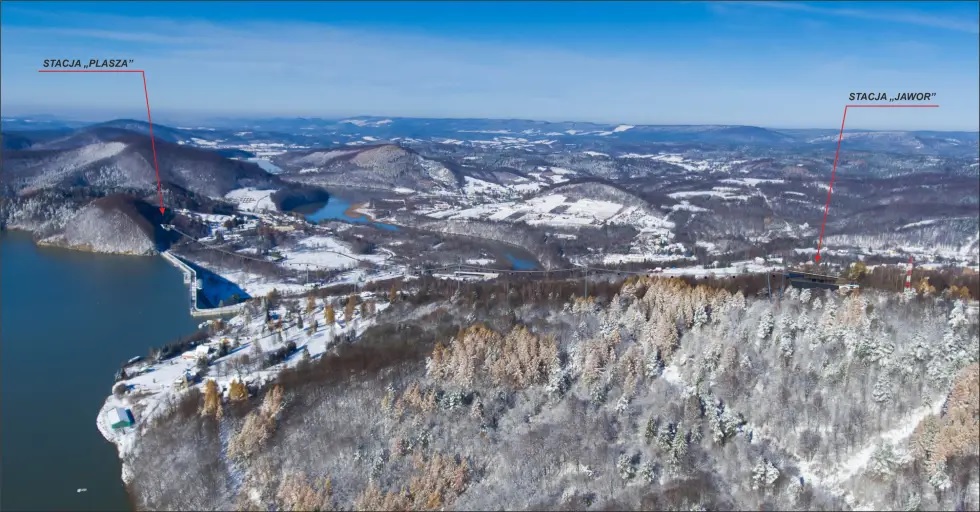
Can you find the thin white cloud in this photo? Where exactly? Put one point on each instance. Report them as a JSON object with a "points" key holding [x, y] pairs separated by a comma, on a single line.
{"points": [[301, 68], [882, 15]]}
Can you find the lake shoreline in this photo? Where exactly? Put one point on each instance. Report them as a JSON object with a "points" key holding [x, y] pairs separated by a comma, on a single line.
{"points": [[353, 211], [52, 243], [106, 309]]}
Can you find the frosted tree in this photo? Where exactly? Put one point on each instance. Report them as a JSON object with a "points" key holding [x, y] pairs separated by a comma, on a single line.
{"points": [[793, 294], [828, 319], [648, 472], [678, 449], [920, 347], [912, 502], [559, 382], [884, 461], [665, 436], [807, 329], [724, 424], [786, 347], [765, 326], [882, 392], [737, 303], [805, 296], [626, 465], [700, 317], [764, 475], [958, 351], [655, 364], [939, 478], [794, 491], [623, 405]]}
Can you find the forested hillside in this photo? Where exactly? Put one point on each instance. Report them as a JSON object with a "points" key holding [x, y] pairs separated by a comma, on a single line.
{"points": [[652, 394]]}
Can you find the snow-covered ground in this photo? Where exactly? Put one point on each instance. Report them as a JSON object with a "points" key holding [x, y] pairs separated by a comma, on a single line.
{"points": [[326, 252], [830, 477], [675, 159], [252, 200], [751, 182], [542, 210], [726, 193], [153, 385]]}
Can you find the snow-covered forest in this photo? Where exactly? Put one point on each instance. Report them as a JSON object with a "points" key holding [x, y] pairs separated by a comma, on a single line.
{"points": [[655, 394]]}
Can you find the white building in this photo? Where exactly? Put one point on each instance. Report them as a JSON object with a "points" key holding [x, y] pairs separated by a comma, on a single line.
{"points": [[119, 417]]}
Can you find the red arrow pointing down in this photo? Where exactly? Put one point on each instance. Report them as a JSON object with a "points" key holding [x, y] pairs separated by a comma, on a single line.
{"points": [[833, 172], [149, 119]]}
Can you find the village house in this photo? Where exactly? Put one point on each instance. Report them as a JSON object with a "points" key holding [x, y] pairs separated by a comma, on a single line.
{"points": [[199, 351], [120, 418]]}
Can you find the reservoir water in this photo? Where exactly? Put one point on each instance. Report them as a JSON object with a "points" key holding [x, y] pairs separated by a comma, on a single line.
{"points": [[520, 263], [67, 321], [336, 208]]}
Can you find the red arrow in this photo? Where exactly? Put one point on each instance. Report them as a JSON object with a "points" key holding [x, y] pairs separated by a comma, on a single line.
{"points": [[830, 189], [833, 172], [149, 119], [153, 144]]}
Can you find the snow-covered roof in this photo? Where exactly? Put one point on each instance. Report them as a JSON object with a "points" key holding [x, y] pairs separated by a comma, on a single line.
{"points": [[117, 414]]}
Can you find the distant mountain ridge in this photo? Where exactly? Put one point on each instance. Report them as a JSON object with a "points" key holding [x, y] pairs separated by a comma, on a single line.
{"points": [[314, 131], [114, 158], [386, 166]]}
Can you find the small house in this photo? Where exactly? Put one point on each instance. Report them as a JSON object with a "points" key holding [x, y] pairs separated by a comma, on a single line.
{"points": [[186, 380], [194, 355], [180, 383], [120, 418]]}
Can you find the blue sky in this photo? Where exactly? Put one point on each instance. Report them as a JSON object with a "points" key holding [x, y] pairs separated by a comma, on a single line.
{"points": [[774, 64]]}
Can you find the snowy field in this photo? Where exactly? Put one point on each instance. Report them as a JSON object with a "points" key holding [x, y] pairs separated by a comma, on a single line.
{"points": [[674, 159], [556, 210], [725, 193], [326, 252], [252, 200]]}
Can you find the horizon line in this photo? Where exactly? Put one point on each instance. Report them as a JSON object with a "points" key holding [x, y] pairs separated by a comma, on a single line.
{"points": [[246, 117]]}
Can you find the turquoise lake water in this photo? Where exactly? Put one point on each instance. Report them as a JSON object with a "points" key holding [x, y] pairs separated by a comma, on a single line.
{"points": [[336, 209], [519, 263], [67, 321]]}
